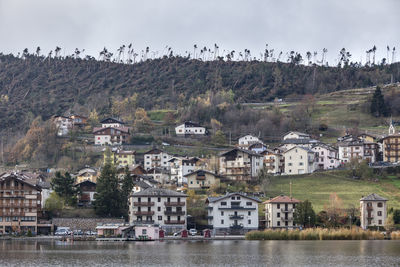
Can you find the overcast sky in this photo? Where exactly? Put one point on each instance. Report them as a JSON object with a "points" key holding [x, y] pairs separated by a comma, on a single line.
{"points": [[300, 25]]}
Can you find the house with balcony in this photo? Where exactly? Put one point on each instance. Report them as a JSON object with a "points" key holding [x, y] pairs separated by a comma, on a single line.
{"points": [[357, 150], [234, 213], [279, 212], [119, 157], [273, 161], [20, 204], [373, 211], [202, 179], [87, 174], [160, 206], [326, 157], [180, 166], [299, 160], [247, 140], [87, 190], [240, 164], [156, 158], [189, 128], [391, 146]]}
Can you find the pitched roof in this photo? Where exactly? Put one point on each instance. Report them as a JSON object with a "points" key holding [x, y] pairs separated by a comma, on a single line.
{"points": [[299, 141], [201, 172], [85, 182], [241, 150], [112, 120], [20, 178], [122, 129], [373, 197], [158, 192], [301, 147], [214, 199], [191, 124], [295, 132], [141, 184], [282, 199], [154, 151]]}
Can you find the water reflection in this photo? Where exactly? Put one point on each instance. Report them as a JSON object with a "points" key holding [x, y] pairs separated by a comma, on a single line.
{"points": [[210, 253]]}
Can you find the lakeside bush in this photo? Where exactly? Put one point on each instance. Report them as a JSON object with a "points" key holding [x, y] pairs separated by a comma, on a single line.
{"points": [[316, 234], [395, 235]]}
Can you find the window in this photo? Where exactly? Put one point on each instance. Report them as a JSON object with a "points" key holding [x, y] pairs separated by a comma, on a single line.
{"points": [[249, 221], [289, 164], [160, 218], [222, 213], [278, 206], [301, 163], [278, 215], [249, 213], [222, 221], [379, 213], [380, 205], [159, 199], [223, 203], [278, 224], [238, 198], [301, 157], [233, 198], [380, 222], [158, 208], [249, 203]]}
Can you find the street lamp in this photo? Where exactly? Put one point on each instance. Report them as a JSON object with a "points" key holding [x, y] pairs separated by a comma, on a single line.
{"points": [[351, 223]]}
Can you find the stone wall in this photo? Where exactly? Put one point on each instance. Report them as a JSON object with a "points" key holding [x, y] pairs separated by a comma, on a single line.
{"points": [[84, 223]]}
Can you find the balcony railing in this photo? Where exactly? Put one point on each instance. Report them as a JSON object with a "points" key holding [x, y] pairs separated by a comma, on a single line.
{"points": [[236, 217], [369, 208], [174, 222], [288, 219], [174, 213], [236, 208], [236, 227], [174, 204], [143, 204], [144, 213], [143, 222], [286, 210]]}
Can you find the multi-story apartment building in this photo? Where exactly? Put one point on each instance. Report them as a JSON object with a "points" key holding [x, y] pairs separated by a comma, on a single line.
{"points": [[202, 179], [274, 161], [120, 157], [20, 203], [391, 148], [279, 212], [373, 211], [327, 157], [234, 212], [156, 158], [240, 164], [160, 206], [180, 166], [299, 160], [357, 149]]}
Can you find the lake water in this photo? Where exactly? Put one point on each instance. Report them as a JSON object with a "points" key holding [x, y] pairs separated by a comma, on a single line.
{"points": [[201, 253]]}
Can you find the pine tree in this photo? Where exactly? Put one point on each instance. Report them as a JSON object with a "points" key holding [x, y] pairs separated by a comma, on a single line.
{"points": [[378, 107], [63, 185], [127, 185], [108, 198], [304, 214]]}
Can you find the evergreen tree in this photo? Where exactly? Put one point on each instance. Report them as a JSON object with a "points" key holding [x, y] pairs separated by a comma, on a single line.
{"points": [[378, 107], [304, 214], [107, 198], [63, 185], [127, 185]]}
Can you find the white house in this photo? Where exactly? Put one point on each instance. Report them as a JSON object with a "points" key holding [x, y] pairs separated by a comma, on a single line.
{"points": [[373, 211], [257, 147], [247, 140], [279, 212], [296, 135], [190, 128], [111, 135], [234, 212], [63, 124], [160, 206], [180, 166], [156, 158], [240, 164], [274, 161], [111, 122], [299, 160], [304, 142], [326, 157], [359, 150]]}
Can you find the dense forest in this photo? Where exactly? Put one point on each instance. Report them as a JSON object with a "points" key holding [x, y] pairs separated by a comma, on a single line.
{"points": [[33, 85]]}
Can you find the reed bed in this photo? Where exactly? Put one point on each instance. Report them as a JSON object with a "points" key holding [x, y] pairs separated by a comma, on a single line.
{"points": [[316, 234], [395, 235]]}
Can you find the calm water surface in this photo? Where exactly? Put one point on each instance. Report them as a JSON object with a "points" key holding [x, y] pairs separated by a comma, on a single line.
{"points": [[201, 253]]}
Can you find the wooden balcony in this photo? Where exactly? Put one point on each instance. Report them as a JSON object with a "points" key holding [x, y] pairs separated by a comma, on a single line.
{"points": [[144, 213], [174, 222], [174, 213], [143, 204], [174, 204]]}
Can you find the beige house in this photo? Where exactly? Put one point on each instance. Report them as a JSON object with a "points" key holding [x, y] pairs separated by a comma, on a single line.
{"points": [[240, 164], [274, 162], [279, 212], [373, 211], [202, 179], [299, 160]]}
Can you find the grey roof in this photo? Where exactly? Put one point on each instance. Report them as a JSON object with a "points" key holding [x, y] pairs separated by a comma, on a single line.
{"points": [[298, 133], [141, 184], [302, 147], [214, 199], [158, 192], [373, 197], [200, 171], [300, 141], [250, 152]]}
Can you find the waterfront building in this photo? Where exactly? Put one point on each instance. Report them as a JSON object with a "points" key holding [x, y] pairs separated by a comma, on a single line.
{"points": [[233, 213], [373, 211], [163, 207], [279, 212]]}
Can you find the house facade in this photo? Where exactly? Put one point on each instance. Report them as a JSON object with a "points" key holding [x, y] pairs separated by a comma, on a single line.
{"points": [[239, 164], [120, 157], [373, 211], [233, 213], [87, 174], [247, 140], [357, 150], [111, 122], [273, 161], [180, 166], [164, 207], [391, 148], [296, 135], [111, 135], [299, 160], [190, 128], [326, 157], [202, 179], [87, 190], [156, 158], [63, 124], [279, 212]]}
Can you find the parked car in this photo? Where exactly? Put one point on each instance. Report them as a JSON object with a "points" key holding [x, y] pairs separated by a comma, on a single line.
{"points": [[193, 231], [63, 231], [90, 233], [78, 232], [177, 233]]}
